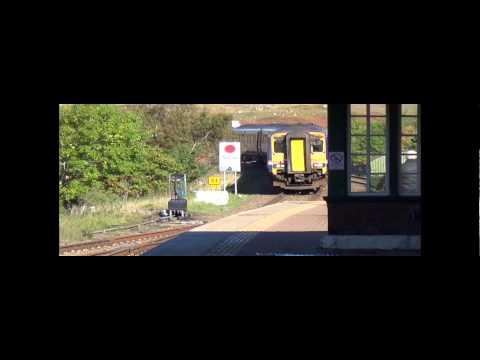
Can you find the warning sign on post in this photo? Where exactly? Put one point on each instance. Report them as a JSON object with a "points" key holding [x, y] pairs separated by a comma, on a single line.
{"points": [[229, 156], [336, 161]]}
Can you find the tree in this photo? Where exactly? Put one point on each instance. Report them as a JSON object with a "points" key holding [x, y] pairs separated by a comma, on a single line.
{"points": [[186, 132], [103, 147]]}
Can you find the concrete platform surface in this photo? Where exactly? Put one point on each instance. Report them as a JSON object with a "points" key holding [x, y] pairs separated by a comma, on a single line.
{"points": [[227, 236], [289, 228]]}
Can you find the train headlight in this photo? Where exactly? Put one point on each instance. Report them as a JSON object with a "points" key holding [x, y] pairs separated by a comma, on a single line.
{"points": [[318, 165]]}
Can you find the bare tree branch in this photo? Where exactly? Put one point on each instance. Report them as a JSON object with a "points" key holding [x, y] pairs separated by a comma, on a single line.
{"points": [[201, 141]]}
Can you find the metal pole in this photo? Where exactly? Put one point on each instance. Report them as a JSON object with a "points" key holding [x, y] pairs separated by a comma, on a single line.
{"points": [[169, 189], [185, 182], [235, 183], [224, 181]]}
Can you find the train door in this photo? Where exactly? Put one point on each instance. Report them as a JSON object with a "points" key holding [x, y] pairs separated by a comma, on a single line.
{"points": [[297, 147]]}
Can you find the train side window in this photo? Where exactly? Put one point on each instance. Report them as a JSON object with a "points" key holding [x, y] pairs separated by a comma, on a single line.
{"points": [[279, 145], [368, 147], [409, 183]]}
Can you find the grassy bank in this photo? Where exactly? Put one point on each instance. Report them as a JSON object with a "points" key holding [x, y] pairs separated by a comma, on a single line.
{"points": [[258, 111], [73, 227], [198, 208]]}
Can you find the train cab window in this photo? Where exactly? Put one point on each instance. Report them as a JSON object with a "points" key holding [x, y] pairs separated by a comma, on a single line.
{"points": [[279, 145], [317, 145], [409, 183], [368, 147]]}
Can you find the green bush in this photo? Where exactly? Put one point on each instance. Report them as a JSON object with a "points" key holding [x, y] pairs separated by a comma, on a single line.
{"points": [[109, 151], [98, 197], [187, 162], [104, 149]]}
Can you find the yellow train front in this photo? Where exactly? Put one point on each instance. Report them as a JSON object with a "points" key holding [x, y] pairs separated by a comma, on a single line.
{"points": [[297, 159]]}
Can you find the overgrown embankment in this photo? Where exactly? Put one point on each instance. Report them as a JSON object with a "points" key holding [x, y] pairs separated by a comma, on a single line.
{"points": [[109, 152], [114, 161], [77, 224]]}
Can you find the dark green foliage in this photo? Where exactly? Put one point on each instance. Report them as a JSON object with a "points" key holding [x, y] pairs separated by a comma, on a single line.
{"points": [[187, 161], [103, 149], [109, 151], [189, 135], [171, 125]]}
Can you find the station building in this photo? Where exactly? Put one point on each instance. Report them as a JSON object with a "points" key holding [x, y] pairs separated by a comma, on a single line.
{"points": [[375, 159]]}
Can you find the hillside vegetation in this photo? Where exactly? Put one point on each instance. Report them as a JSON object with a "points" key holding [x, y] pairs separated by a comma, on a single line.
{"points": [[109, 152], [247, 113]]}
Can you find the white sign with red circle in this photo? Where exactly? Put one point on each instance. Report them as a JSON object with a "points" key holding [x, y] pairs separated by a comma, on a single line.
{"points": [[229, 156]]}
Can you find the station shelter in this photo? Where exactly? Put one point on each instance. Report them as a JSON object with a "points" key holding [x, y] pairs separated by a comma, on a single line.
{"points": [[375, 160]]}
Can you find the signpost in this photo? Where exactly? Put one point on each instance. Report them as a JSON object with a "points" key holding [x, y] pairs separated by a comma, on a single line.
{"points": [[229, 160]]}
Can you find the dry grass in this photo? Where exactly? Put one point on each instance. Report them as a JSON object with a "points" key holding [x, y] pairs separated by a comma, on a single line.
{"points": [[259, 111], [75, 225]]}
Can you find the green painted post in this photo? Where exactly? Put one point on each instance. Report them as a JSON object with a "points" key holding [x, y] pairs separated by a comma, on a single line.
{"points": [[394, 112], [337, 142]]}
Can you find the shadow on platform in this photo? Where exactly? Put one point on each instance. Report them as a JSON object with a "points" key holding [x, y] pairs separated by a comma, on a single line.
{"points": [[315, 243]]}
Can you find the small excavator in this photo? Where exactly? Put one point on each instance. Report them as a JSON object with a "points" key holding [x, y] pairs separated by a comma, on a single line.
{"points": [[177, 205]]}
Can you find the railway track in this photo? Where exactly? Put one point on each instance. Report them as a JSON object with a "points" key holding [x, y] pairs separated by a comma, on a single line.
{"points": [[300, 195], [137, 244], [130, 245]]}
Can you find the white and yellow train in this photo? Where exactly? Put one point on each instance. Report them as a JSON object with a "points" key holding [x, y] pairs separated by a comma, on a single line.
{"points": [[295, 155]]}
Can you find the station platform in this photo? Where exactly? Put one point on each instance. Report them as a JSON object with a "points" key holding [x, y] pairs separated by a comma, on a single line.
{"points": [[289, 228]]}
